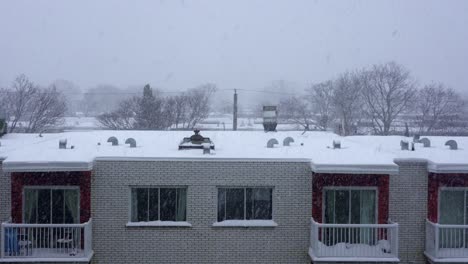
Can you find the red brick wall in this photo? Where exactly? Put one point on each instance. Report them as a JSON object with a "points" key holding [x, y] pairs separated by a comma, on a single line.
{"points": [[79, 178], [321, 180], [437, 180]]}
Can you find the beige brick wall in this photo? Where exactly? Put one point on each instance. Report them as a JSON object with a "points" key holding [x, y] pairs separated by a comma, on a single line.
{"points": [[5, 195], [408, 207], [202, 243]]}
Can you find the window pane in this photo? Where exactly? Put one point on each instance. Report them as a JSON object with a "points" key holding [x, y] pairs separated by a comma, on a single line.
{"points": [[181, 204], [235, 204], [153, 204], [58, 207], [368, 207], [30, 206], [168, 204], [329, 206], [71, 206], [221, 204], [43, 204], [259, 205], [355, 207], [141, 204], [342, 206], [452, 207]]}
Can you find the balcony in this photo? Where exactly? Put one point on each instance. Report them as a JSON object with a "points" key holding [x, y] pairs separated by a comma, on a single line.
{"points": [[446, 243], [46, 242], [354, 242]]}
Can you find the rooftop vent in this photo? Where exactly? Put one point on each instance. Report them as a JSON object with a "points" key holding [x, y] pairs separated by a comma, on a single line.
{"points": [[113, 140], [426, 142], [336, 144], [195, 141], [62, 144], [131, 141], [452, 144], [206, 148], [272, 142], [288, 141], [416, 138], [404, 145]]}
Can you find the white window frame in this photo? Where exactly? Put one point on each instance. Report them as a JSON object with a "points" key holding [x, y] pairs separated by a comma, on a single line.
{"points": [[446, 188], [50, 187], [351, 188], [158, 223], [244, 222]]}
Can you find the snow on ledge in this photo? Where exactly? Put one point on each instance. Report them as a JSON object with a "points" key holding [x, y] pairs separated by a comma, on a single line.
{"points": [[159, 224], [246, 223]]}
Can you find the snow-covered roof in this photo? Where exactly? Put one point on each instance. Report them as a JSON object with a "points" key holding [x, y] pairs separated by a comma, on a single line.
{"points": [[370, 154]]}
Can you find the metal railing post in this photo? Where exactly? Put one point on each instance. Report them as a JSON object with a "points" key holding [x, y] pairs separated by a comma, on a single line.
{"points": [[2, 241]]}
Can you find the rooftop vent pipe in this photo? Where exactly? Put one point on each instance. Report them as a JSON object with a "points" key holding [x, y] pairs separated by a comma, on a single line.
{"points": [[452, 144], [62, 144], [113, 140], [426, 142], [288, 141], [272, 142], [206, 148], [404, 145], [131, 141], [195, 141], [336, 144]]}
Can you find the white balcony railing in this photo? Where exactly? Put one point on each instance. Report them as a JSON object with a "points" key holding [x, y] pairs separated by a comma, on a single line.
{"points": [[50, 242], [354, 242], [446, 241]]}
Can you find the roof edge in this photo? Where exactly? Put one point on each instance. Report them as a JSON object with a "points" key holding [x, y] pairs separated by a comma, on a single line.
{"points": [[355, 168], [49, 166]]}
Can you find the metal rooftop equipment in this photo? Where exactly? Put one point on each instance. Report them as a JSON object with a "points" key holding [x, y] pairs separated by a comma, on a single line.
{"points": [[404, 145], [426, 142], [272, 142], [195, 141], [270, 118], [62, 144], [131, 141], [336, 144], [416, 138], [287, 141], [113, 140], [452, 144]]}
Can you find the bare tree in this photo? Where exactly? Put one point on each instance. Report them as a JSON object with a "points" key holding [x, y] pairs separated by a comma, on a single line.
{"points": [[347, 101], [388, 90], [47, 108], [123, 118], [35, 108], [198, 104], [297, 111], [436, 105], [18, 99], [180, 110], [320, 97]]}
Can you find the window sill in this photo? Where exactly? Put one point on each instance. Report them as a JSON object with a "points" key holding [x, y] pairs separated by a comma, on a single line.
{"points": [[246, 223], [159, 224]]}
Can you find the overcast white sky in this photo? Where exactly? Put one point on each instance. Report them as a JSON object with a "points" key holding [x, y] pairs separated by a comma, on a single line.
{"points": [[235, 44]]}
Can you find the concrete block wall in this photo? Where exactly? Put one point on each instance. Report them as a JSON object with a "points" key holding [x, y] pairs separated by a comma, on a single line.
{"points": [[113, 242], [408, 208], [5, 195]]}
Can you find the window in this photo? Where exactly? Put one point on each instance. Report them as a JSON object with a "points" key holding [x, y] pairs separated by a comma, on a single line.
{"points": [[346, 206], [158, 204], [244, 204], [350, 206], [453, 205], [51, 205]]}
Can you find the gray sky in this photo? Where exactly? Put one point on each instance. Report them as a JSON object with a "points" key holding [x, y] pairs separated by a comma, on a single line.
{"points": [[235, 44]]}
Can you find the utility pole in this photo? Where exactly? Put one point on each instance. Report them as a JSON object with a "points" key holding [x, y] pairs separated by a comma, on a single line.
{"points": [[234, 118]]}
